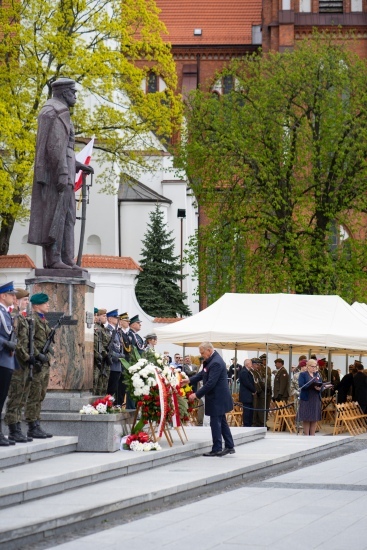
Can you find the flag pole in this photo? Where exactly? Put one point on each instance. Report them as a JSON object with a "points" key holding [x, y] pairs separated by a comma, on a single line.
{"points": [[82, 218]]}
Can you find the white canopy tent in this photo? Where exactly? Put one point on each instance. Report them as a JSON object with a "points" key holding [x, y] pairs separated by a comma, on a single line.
{"points": [[275, 322]]}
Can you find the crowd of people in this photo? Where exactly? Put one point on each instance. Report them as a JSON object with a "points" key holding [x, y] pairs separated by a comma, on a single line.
{"points": [[25, 354], [258, 386]]}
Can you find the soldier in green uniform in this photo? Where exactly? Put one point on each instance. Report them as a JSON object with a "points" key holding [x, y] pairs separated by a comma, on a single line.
{"points": [[41, 371], [101, 359], [19, 385]]}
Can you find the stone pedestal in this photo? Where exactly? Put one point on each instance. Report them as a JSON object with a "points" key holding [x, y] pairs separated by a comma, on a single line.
{"points": [[72, 364], [96, 433]]}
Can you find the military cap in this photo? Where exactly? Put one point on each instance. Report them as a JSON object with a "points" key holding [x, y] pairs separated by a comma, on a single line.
{"points": [[279, 360], [102, 312], [151, 336], [124, 317], [39, 298], [257, 360], [7, 288], [21, 293], [263, 356], [96, 311], [135, 319], [62, 83], [113, 313], [302, 363]]}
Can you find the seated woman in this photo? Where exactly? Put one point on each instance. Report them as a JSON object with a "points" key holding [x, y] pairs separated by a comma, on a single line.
{"points": [[310, 386]]}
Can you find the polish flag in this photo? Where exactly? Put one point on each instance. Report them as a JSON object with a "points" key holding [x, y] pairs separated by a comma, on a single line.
{"points": [[83, 156]]}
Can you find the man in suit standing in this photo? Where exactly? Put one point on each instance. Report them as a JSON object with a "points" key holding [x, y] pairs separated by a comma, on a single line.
{"points": [[218, 399], [247, 392]]}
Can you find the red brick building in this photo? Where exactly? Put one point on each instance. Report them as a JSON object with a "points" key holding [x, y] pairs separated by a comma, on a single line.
{"points": [[206, 34], [286, 21]]}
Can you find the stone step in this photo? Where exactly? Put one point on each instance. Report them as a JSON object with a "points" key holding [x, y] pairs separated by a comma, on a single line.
{"points": [[143, 490], [38, 449], [58, 474]]}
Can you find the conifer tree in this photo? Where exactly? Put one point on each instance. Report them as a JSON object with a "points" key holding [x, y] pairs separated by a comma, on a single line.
{"points": [[157, 290]]}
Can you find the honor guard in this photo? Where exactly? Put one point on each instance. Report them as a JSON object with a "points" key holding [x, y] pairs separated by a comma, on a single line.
{"points": [[115, 353], [137, 340], [8, 362], [102, 361], [42, 354]]}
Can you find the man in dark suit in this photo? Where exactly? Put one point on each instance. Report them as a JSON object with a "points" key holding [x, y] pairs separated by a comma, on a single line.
{"points": [[218, 399], [360, 386], [247, 392]]}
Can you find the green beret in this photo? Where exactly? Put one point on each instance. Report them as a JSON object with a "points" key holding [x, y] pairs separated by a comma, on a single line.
{"points": [[96, 311], [38, 299]]}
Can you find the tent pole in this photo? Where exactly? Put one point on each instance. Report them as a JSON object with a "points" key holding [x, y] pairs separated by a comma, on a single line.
{"points": [[290, 361], [309, 353], [266, 383], [234, 387]]}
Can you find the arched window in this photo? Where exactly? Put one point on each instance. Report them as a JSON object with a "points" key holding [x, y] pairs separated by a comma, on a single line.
{"points": [[94, 245]]}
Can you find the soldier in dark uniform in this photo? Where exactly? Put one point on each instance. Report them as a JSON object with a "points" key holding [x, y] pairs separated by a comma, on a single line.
{"points": [[266, 377], [115, 353], [281, 388], [8, 362], [126, 342], [20, 382], [102, 362], [259, 397], [137, 340], [41, 371]]}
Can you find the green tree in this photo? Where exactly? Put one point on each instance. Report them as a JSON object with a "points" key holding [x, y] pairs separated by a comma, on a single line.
{"points": [[279, 168], [108, 47], [157, 290]]}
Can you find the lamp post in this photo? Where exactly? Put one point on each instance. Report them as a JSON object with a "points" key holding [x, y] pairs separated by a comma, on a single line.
{"points": [[181, 214]]}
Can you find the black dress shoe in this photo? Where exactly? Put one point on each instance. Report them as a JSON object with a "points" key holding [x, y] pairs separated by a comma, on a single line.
{"points": [[227, 451], [213, 453]]}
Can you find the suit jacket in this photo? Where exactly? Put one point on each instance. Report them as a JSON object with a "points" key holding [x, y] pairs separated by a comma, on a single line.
{"points": [[360, 389], [218, 399], [247, 386], [305, 377]]}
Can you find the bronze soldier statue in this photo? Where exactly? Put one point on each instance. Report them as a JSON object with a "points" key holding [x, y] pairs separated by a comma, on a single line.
{"points": [[53, 210]]}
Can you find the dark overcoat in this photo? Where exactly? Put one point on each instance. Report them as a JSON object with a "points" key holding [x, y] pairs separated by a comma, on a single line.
{"points": [[54, 162], [247, 386], [218, 399]]}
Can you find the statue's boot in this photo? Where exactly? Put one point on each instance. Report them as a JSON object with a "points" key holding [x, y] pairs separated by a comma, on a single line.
{"points": [[59, 265]]}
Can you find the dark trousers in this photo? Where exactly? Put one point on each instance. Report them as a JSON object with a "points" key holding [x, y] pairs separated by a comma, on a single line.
{"points": [[248, 414], [114, 386], [220, 428], [5, 377]]}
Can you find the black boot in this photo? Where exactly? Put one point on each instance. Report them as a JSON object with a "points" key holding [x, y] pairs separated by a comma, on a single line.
{"points": [[34, 432], [4, 442], [19, 429], [15, 435], [42, 430]]}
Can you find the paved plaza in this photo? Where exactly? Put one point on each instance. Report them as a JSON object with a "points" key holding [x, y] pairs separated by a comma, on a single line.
{"points": [[321, 505]]}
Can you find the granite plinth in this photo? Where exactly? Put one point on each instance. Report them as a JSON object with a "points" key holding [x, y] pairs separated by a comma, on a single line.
{"points": [[96, 433], [74, 272], [72, 363], [58, 401]]}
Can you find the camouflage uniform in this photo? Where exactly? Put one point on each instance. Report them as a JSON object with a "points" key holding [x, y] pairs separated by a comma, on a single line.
{"points": [[101, 341], [20, 383], [41, 373]]}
